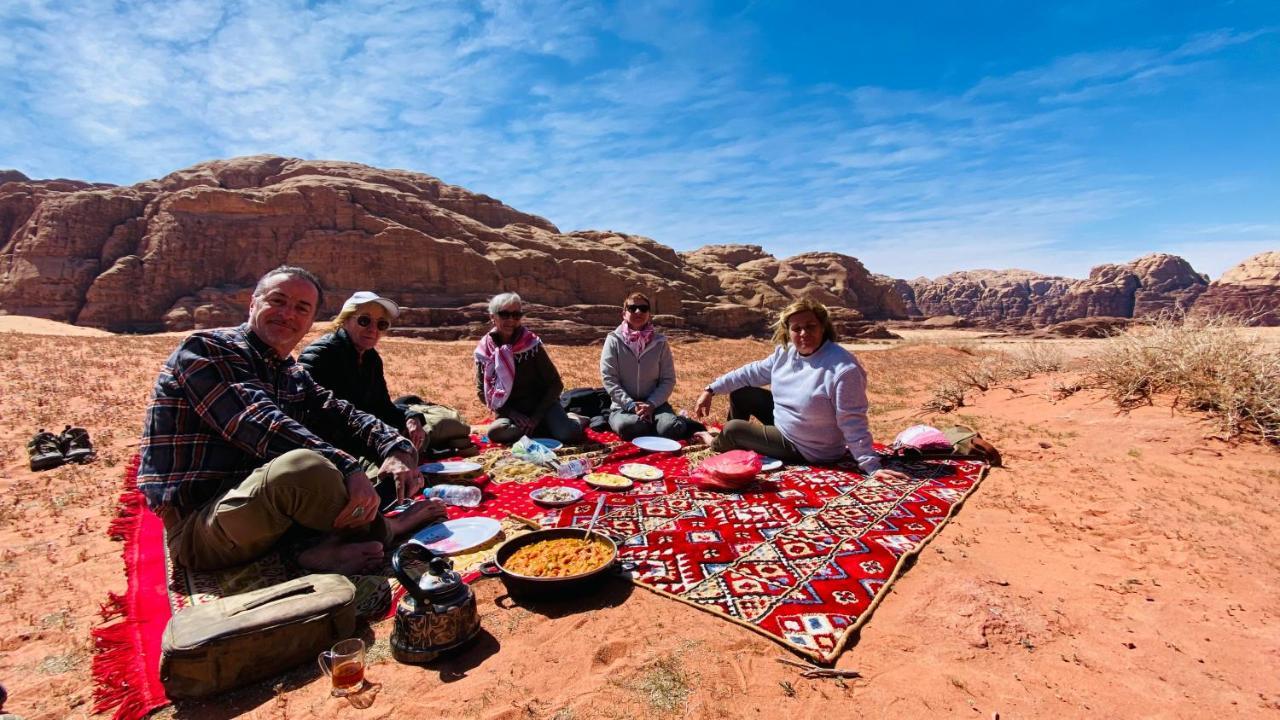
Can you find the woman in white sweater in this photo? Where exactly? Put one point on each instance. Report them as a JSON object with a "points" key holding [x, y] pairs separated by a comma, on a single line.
{"points": [[818, 407]]}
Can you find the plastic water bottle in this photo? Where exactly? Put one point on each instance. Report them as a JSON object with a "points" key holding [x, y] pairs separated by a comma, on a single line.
{"points": [[464, 495], [576, 467]]}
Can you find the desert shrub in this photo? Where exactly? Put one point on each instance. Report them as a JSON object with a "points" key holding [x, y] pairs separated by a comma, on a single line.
{"points": [[1206, 364], [1063, 389], [1034, 358], [947, 396], [981, 373]]}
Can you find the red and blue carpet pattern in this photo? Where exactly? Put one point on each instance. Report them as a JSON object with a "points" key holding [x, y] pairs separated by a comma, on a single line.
{"points": [[802, 557]]}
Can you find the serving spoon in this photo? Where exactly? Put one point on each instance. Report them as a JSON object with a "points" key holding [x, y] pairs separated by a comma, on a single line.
{"points": [[594, 516]]}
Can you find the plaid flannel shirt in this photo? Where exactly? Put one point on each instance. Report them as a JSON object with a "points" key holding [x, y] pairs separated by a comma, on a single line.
{"points": [[224, 404]]}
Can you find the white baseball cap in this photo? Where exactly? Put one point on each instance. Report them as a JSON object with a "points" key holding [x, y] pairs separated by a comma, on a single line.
{"points": [[365, 296]]}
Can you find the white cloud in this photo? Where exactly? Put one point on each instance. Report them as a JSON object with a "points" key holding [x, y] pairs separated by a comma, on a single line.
{"points": [[644, 118]]}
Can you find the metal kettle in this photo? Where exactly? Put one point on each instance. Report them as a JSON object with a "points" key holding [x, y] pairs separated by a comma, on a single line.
{"points": [[438, 611]]}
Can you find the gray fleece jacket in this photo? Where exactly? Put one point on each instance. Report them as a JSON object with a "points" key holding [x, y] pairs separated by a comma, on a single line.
{"points": [[629, 379]]}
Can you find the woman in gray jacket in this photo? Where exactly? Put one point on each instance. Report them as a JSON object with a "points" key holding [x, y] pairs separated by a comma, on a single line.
{"points": [[639, 375]]}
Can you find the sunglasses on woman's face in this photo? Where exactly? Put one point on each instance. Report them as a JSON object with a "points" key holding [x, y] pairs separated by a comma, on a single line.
{"points": [[638, 308], [365, 320], [510, 314]]}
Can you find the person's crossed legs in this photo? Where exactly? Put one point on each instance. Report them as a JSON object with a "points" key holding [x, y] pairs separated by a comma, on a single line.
{"points": [[300, 487]]}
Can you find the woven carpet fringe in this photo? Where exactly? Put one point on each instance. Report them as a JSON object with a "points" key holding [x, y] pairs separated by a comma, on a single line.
{"points": [[118, 676]]}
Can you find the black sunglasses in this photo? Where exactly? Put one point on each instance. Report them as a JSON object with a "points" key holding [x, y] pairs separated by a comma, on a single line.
{"points": [[364, 320], [638, 308], [510, 314]]}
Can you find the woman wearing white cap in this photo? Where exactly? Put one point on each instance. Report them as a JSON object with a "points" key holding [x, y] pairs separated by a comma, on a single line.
{"points": [[346, 362]]}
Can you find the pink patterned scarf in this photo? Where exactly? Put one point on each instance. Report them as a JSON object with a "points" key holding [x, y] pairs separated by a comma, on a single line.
{"points": [[499, 364], [637, 340]]}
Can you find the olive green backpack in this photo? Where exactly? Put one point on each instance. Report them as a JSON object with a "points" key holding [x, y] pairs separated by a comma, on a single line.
{"points": [[240, 639]]}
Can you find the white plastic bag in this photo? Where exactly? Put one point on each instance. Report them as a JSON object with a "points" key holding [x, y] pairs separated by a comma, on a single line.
{"points": [[533, 452]]}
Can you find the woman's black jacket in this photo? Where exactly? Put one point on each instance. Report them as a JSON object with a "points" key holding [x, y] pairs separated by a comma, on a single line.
{"points": [[334, 363]]}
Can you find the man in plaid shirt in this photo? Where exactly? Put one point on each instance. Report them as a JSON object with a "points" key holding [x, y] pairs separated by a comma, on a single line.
{"points": [[231, 458]]}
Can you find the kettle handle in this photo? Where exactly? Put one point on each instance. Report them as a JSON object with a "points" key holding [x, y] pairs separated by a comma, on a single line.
{"points": [[413, 550]]}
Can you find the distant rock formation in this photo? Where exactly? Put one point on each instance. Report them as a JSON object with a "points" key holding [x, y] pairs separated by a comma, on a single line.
{"points": [[183, 252], [1023, 300], [1249, 291]]}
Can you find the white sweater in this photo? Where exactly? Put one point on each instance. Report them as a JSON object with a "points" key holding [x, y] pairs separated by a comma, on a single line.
{"points": [[819, 401]]}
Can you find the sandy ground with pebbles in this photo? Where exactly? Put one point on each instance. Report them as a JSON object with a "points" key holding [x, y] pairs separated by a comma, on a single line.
{"points": [[1120, 565]]}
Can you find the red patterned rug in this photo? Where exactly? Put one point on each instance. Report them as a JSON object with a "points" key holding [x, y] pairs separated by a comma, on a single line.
{"points": [[126, 665], [803, 557]]}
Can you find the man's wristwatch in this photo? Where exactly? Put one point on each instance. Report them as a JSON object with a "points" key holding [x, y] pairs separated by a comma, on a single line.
{"points": [[708, 390]]}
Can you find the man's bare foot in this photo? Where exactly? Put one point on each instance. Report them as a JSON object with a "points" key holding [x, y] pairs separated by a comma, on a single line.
{"points": [[705, 437], [423, 512], [349, 558]]}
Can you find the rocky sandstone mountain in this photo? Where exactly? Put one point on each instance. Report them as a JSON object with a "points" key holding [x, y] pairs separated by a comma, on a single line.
{"points": [[1250, 290], [183, 252], [1023, 300]]}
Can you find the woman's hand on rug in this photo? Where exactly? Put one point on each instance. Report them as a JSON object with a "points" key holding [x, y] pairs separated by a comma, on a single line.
{"points": [[891, 474], [362, 502]]}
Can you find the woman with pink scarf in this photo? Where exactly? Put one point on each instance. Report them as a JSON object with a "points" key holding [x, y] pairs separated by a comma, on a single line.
{"points": [[639, 375], [516, 379]]}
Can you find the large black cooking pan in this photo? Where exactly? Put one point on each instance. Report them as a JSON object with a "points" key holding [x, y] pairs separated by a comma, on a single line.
{"points": [[526, 586]]}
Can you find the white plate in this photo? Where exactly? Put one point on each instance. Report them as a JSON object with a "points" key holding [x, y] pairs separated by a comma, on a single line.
{"points": [[770, 464], [640, 471], [450, 467], [548, 443], [574, 493], [458, 536], [656, 444], [605, 481]]}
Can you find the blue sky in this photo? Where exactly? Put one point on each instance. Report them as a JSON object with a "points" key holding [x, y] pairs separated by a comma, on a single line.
{"points": [[918, 137]]}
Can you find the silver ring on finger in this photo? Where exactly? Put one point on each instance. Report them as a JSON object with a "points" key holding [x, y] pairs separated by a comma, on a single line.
{"points": [[359, 511]]}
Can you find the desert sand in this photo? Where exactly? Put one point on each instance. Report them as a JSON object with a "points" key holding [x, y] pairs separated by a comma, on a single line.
{"points": [[1121, 565], [41, 326]]}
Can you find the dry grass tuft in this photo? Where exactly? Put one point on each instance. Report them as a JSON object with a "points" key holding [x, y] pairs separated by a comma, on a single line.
{"points": [[985, 370], [1035, 358], [1208, 364], [663, 684]]}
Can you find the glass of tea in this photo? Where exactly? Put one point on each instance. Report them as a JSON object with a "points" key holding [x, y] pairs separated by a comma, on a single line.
{"points": [[344, 664]]}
